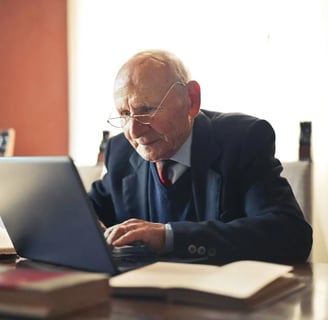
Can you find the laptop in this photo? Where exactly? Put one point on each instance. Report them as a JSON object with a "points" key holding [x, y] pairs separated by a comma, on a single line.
{"points": [[50, 219]]}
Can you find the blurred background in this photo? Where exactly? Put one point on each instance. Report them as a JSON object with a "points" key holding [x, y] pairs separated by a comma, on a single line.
{"points": [[268, 58]]}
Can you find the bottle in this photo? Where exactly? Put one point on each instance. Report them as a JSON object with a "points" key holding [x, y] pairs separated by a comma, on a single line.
{"points": [[4, 137], [102, 147], [305, 141]]}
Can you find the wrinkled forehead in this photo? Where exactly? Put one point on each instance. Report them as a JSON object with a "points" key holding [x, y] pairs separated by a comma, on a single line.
{"points": [[143, 76]]}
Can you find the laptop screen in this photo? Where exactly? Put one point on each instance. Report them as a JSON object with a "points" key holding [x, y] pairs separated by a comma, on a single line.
{"points": [[48, 215]]}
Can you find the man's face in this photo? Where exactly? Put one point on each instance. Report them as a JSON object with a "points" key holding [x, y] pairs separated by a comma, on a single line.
{"points": [[172, 122]]}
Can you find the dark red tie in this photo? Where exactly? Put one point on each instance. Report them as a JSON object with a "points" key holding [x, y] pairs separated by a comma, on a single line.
{"points": [[162, 170]]}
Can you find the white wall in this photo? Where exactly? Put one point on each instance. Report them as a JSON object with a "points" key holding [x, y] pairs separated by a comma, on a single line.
{"points": [[263, 57]]}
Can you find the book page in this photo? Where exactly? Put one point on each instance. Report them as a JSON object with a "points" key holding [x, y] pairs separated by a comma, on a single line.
{"points": [[6, 246], [239, 279]]}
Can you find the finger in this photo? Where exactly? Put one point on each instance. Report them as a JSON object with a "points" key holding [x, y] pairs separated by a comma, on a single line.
{"points": [[130, 235], [116, 233], [133, 222], [102, 226], [109, 230]]}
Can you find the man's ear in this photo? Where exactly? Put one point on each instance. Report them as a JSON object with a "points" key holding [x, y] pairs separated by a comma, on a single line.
{"points": [[194, 96]]}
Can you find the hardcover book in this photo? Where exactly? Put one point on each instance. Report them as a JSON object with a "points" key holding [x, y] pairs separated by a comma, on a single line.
{"points": [[43, 294]]}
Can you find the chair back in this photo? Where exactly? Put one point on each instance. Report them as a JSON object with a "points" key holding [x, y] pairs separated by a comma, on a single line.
{"points": [[299, 175]]}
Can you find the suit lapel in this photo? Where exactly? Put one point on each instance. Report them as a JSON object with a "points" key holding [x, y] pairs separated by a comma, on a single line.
{"points": [[134, 188], [206, 185]]}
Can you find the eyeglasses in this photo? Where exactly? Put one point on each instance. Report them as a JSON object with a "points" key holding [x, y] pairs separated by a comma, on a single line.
{"points": [[146, 117]]}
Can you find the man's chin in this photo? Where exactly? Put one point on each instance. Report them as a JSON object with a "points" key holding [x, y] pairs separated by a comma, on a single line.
{"points": [[148, 153]]}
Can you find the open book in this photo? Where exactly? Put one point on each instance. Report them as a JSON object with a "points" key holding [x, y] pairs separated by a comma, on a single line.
{"points": [[6, 246], [237, 284]]}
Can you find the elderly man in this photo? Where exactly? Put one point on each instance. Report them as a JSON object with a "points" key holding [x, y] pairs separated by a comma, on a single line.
{"points": [[221, 198]]}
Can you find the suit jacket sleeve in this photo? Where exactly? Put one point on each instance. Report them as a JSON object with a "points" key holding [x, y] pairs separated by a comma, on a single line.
{"points": [[255, 214]]}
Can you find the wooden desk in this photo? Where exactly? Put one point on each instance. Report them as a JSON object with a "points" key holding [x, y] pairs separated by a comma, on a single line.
{"points": [[310, 303]]}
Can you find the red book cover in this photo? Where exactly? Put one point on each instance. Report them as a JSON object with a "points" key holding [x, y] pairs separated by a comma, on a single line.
{"points": [[14, 278], [42, 293]]}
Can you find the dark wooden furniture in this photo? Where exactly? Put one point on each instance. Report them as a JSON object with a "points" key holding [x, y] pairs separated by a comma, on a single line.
{"points": [[310, 303]]}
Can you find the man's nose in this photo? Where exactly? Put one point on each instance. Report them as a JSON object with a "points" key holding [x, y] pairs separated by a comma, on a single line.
{"points": [[135, 127]]}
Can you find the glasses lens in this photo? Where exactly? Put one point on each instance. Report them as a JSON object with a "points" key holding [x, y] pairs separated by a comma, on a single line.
{"points": [[143, 118], [117, 122]]}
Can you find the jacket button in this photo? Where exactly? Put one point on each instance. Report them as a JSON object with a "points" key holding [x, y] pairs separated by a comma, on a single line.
{"points": [[211, 252], [192, 249], [201, 250]]}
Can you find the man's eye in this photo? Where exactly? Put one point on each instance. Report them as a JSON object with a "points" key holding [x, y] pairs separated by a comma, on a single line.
{"points": [[125, 113], [147, 109]]}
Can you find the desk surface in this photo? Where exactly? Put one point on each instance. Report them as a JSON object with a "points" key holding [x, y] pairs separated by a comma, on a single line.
{"points": [[309, 303]]}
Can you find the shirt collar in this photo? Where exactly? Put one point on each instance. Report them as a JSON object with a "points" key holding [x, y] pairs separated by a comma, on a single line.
{"points": [[183, 154]]}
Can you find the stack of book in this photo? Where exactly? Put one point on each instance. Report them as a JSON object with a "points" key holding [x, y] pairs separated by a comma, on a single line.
{"points": [[47, 294]]}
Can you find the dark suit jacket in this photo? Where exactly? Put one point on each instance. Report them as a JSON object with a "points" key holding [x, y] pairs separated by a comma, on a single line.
{"points": [[244, 208]]}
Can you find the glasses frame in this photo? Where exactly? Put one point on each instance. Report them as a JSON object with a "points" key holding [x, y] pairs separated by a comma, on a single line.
{"points": [[138, 117]]}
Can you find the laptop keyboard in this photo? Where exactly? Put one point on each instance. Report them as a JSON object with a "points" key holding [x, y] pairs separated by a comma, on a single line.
{"points": [[132, 257]]}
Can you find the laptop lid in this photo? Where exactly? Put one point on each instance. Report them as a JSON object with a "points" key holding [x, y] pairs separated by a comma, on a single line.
{"points": [[48, 215]]}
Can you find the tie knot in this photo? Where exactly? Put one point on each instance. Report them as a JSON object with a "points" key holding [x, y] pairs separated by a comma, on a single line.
{"points": [[163, 171]]}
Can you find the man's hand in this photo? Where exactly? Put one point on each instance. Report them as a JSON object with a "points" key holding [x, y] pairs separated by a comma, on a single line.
{"points": [[132, 230], [102, 226]]}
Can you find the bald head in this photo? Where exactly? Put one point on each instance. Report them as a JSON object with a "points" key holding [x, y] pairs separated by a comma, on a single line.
{"points": [[156, 66], [155, 85]]}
